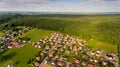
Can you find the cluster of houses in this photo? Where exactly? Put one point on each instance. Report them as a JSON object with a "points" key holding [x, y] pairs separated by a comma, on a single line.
{"points": [[8, 41], [62, 50]]}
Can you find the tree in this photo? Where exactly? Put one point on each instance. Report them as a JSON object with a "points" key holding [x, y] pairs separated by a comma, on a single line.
{"points": [[118, 49]]}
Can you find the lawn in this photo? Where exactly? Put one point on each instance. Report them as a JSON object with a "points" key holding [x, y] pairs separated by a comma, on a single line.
{"points": [[1, 33], [36, 34], [102, 45], [20, 55]]}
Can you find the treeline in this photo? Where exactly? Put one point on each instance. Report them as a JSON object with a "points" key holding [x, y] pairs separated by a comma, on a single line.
{"points": [[118, 49], [6, 18]]}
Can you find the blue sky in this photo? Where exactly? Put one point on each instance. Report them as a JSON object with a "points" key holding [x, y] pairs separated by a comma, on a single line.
{"points": [[61, 5]]}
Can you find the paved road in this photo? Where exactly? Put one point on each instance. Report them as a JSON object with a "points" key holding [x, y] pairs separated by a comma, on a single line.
{"points": [[47, 55]]}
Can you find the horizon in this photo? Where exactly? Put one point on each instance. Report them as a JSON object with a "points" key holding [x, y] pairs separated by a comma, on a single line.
{"points": [[39, 12]]}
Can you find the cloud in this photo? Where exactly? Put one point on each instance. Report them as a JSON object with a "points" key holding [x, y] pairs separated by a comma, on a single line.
{"points": [[22, 4], [14, 2], [103, 0], [60, 5]]}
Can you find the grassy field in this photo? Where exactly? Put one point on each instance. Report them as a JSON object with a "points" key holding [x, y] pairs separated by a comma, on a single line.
{"points": [[36, 34], [19, 55], [102, 45], [1, 33]]}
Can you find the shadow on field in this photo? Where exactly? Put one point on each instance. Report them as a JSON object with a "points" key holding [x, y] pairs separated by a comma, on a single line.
{"points": [[17, 62], [7, 57]]}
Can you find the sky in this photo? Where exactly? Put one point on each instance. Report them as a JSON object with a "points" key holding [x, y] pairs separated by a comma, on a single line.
{"points": [[60, 5]]}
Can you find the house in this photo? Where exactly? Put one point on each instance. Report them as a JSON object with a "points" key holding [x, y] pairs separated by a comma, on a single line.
{"points": [[109, 56], [51, 54], [64, 57], [61, 49], [99, 51], [42, 54], [54, 62], [47, 47], [55, 48], [90, 65], [36, 64], [84, 55], [76, 60], [10, 65], [71, 65], [68, 51], [60, 63], [9, 46], [84, 63], [45, 51], [38, 58], [71, 47], [57, 56], [91, 59], [95, 60], [104, 62], [15, 44], [75, 49]]}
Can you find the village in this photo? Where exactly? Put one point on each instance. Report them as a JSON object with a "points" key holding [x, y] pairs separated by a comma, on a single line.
{"points": [[62, 50], [9, 41], [59, 50]]}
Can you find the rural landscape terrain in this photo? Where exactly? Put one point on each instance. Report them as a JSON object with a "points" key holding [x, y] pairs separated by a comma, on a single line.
{"points": [[59, 40]]}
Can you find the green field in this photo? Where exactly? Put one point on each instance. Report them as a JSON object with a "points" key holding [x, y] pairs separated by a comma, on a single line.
{"points": [[1, 33], [36, 34], [102, 45], [19, 55]]}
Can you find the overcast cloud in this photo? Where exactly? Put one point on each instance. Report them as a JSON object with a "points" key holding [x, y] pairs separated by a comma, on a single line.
{"points": [[61, 5]]}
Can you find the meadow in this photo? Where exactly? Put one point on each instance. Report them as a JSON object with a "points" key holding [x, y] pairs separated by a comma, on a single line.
{"points": [[1, 33]]}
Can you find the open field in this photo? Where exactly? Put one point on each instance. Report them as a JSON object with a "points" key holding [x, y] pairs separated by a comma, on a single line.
{"points": [[102, 45], [1, 33], [36, 34], [19, 55]]}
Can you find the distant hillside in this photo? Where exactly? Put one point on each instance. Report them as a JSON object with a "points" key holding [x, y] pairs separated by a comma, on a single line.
{"points": [[4, 18]]}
